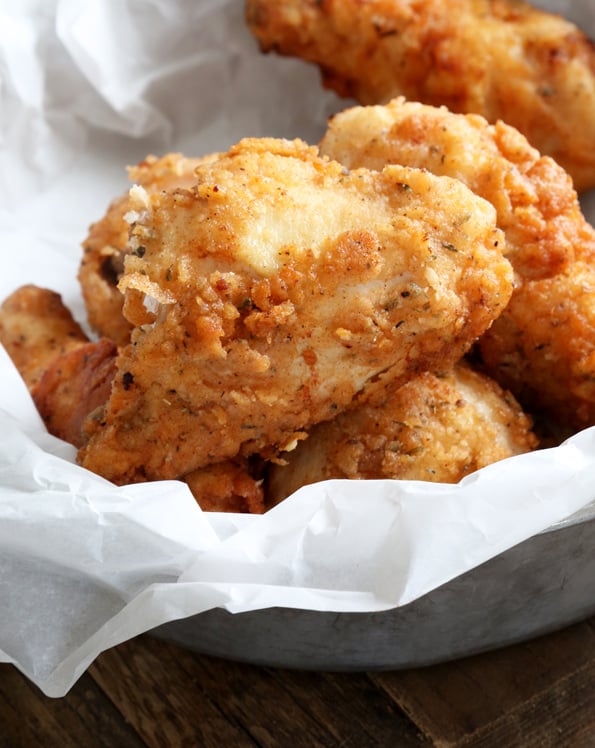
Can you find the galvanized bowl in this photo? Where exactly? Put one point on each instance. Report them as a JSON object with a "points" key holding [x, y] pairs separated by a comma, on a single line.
{"points": [[538, 586]]}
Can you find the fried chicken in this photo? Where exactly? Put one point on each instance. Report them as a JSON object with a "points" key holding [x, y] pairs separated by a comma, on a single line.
{"points": [[278, 291], [36, 328], [502, 59], [69, 377], [228, 486], [434, 428], [542, 347], [106, 245]]}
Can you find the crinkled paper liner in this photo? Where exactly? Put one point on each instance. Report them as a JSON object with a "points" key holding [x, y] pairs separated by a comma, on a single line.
{"points": [[85, 565]]}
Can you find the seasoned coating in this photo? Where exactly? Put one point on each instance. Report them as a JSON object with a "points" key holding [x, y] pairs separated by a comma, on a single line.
{"points": [[107, 243], [434, 428], [542, 347], [69, 377], [227, 487], [73, 386], [35, 328], [502, 59], [279, 289], [100, 269]]}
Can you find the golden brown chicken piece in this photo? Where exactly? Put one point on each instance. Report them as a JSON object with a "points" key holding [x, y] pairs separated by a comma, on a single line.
{"points": [[542, 347], [69, 377], [227, 486], [36, 328], [73, 386], [434, 428], [106, 245], [279, 289], [66, 374], [502, 59]]}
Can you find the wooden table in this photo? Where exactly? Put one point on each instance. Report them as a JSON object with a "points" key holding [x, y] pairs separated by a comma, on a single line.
{"points": [[150, 693]]}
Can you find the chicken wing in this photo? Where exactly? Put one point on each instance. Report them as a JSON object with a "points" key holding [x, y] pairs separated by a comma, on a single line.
{"points": [[434, 428], [279, 289], [106, 245], [542, 347], [502, 59]]}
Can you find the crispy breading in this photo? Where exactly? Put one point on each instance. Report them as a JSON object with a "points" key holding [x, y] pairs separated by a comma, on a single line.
{"points": [[66, 374], [227, 487], [277, 291], [36, 328], [543, 346], [502, 59], [69, 377], [73, 386], [106, 245], [434, 428]]}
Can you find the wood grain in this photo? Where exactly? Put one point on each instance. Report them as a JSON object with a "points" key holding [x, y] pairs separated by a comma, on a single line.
{"points": [[148, 693], [86, 717], [210, 700], [455, 702]]}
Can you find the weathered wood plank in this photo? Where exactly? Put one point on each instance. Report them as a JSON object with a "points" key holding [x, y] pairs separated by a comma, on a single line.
{"points": [[83, 718], [147, 693], [343, 709], [562, 716], [353, 709], [454, 700], [215, 701], [161, 702]]}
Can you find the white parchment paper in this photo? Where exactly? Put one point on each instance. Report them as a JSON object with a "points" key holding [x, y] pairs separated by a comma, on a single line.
{"points": [[86, 88]]}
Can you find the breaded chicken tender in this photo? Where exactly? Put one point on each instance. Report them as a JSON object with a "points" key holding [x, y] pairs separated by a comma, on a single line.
{"points": [[542, 347], [36, 328], [276, 292], [73, 386], [106, 245], [70, 376], [434, 428], [67, 375], [502, 59]]}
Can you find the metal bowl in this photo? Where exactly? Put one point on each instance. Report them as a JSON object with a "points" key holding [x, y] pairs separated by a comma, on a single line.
{"points": [[538, 586]]}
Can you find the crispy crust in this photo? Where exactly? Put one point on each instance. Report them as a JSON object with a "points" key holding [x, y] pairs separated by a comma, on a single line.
{"points": [[542, 347], [434, 428], [36, 328], [227, 487], [70, 380], [106, 244], [502, 59], [275, 323]]}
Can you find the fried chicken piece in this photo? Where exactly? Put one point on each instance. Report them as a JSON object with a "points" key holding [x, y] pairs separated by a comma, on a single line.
{"points": [[66, 374], [279, 289], [227, 487], [74, 385], [502, 59], [36, 328], [70, 377], [434, 428], [106, 245], [542, 347]]}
